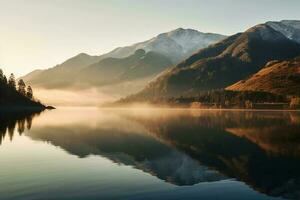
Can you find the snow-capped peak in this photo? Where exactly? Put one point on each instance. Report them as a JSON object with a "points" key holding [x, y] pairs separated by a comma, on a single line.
{"points": [[176, 45], [289, 28]]}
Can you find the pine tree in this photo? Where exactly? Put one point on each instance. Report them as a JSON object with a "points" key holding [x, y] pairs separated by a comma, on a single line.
{"points": [[29, 93], [2, 77], [1, 74], [12, 81], [21, 87]]}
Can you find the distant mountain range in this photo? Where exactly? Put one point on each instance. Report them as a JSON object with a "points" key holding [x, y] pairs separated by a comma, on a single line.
{"points": [[61, 75], [138, 65], [106, 71], [208, 62], [124, 63], [228, 61]]}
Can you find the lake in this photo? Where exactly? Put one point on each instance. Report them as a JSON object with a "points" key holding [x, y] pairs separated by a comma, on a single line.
{"points": [[92, 153]]}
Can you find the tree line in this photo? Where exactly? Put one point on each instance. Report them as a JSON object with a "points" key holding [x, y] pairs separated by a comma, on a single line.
{"points": [[20, 87], [243, 99]]}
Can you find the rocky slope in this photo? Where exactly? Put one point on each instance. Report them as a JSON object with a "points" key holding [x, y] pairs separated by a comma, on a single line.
{"points": [[289, 28], [279, 77]]}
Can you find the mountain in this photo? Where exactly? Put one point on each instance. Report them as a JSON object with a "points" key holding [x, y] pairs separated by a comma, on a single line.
{"points": [[60, 75], [223, 63], [289, 28], [136, 66], [174, 46], [279, 77]]}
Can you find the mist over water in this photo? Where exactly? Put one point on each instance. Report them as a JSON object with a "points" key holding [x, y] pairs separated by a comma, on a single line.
{"points": [[89, 96], [78, 97], [151, 153]]}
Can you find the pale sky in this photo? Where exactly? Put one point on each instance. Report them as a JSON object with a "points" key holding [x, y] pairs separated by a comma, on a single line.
{"points": [[42, 33]]}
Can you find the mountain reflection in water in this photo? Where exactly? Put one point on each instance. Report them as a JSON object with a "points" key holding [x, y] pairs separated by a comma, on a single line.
{"points": [[185, 147]]}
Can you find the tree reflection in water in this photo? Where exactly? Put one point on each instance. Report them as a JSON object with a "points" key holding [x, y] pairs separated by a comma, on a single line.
{"points": [[10, 120]]}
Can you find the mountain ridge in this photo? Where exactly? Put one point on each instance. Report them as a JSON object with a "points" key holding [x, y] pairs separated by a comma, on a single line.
{"points": [[179, 39], [68, 73], [223, 63], [136, 66]]}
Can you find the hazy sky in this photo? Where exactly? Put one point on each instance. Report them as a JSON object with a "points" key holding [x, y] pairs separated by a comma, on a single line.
{"points": [[43, 33]]}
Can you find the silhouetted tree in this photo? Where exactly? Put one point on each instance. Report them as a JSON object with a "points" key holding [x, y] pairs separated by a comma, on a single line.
{"points": [[21, 87], [1, 74], [29, 93], [2, 77], [12, 81]]}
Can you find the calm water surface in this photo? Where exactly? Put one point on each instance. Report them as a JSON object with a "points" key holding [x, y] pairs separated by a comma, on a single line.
{"points": [[89, 153]]}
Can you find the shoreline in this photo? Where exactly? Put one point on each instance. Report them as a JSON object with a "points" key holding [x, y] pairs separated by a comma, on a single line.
{"points": [[191, 108], [25, 108]]}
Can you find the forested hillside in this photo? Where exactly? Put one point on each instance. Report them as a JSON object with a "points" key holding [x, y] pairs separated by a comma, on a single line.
{"points": [[16, 95]]}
